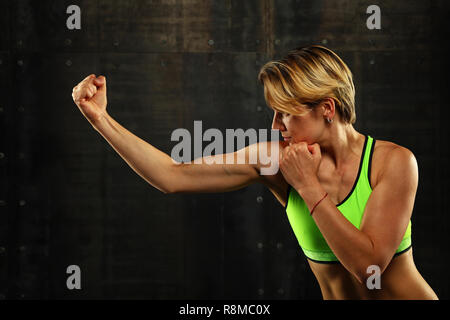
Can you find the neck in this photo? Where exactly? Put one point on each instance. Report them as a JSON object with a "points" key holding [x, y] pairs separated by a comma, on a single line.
{"points": [[340, 143]]}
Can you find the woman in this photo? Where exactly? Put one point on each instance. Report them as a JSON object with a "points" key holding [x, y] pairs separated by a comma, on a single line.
{"points": [[349, 200]]}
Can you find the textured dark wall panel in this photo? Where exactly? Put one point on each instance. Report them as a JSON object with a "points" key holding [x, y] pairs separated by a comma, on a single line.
{"points": [[67, 198], [179, 26], [41, 26]]}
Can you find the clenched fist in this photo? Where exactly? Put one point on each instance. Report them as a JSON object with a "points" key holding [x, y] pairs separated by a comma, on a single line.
{"points": [[299, 164], [90, 97]]}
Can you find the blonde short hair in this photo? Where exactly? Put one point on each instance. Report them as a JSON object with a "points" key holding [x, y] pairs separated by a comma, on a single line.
{"points": [[297, 83]]}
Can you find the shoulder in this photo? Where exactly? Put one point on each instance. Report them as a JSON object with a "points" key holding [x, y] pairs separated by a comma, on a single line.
{"points": [[389, 158], [269, 151]]}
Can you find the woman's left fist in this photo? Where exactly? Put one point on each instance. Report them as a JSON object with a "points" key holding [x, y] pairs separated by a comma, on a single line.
{"points": [[299, 164]]}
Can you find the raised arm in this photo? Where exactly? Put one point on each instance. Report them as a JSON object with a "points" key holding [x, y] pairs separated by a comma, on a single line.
{"points": [[155, 166]]}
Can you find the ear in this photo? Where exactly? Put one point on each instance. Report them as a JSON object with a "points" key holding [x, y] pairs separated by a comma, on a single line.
{"points": [[329, 108]]}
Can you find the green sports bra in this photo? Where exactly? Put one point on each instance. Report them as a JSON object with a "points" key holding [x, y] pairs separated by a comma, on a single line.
{"points": [[352, 207]]}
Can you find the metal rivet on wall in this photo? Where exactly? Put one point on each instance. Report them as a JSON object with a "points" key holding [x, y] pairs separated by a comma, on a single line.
{"points": [[324, 41], [259, 199], [20, 63], [68, 63], [259, 245], [211, 42], [22, 203]]}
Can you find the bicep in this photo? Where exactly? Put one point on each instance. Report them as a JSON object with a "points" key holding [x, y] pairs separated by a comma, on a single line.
{"points": [[391, 203], [219, 173]]}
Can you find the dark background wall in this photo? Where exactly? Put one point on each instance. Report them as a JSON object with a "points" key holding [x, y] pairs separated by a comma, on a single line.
{"points": [[67, 198]]}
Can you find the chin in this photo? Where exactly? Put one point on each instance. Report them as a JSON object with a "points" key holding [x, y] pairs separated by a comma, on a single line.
{"points": [[297, 140]]}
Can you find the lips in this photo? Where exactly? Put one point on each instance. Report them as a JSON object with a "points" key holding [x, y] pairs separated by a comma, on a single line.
{"points": [[286, 138]]}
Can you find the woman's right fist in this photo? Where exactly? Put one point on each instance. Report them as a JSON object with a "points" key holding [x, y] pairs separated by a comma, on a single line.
{"points": [[90, 97]]}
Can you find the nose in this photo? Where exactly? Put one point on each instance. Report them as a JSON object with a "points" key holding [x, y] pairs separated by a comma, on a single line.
{"points": [[277, 122]]}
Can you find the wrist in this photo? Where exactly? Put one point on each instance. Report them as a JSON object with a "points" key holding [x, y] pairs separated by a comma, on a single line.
{"points": [[312, 194], [309, 189], [101, 121]]}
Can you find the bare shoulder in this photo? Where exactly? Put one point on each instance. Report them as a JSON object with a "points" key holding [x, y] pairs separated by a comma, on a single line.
{"points": [[275, 182], [387, 156]]}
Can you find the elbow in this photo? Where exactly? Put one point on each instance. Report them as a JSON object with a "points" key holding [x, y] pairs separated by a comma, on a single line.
{"points": [[173, 180], [172, 188], [365, 275], [167, 190], [370, 266], [369, 274], [162, 188], [168, 185]]}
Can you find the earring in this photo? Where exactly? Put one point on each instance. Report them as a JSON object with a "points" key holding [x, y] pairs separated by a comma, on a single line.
{"points": [[329, 120]]}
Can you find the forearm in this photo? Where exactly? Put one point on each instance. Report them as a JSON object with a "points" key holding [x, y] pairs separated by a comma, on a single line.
{"points": [[352, 247], [153, 165]]}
